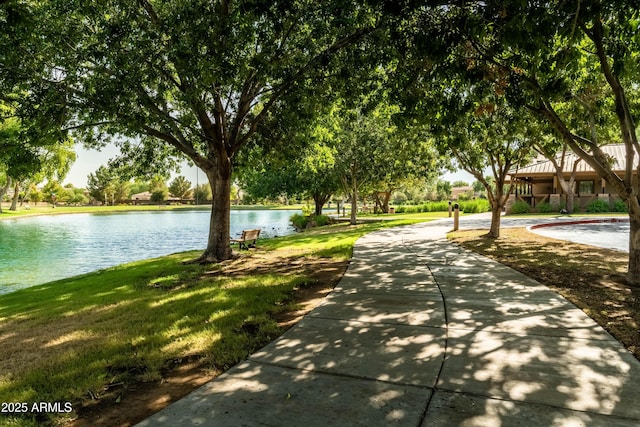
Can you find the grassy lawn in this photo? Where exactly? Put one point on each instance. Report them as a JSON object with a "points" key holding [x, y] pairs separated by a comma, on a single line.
{"points": [[48, 210], [41, 209], [90, 338]]}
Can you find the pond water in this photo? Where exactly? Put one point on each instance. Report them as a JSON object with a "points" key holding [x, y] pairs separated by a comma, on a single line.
{"points": [[40, 249]]}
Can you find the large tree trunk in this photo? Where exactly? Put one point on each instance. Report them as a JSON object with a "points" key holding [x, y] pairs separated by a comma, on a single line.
{"points": [[354, 203], [385, 201], [354, 207], [218, 243], [496, 215], [3, 191], [16, 195], [382, 203], [351, 188], [498, 199], [377, 203], [319, 200], [567, 188], [633, 273]]}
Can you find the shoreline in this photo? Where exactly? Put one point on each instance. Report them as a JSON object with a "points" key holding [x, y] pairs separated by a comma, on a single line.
{"points": [[63, 210]]}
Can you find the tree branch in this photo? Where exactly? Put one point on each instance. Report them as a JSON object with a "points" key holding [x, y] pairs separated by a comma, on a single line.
{"points": [[625, 118], [300, 73]]}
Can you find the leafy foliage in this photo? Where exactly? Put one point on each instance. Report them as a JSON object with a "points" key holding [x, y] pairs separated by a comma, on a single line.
{"points": [[598, 206], [180, 187], [573, 65], [199, 79], [520, 207], [469, 206], [302, 222], [544, 207], [202, 193], [621, 206], [106, 186]]}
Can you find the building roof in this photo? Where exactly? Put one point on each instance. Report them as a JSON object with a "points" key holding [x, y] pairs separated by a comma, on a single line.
{"points": [[542, 166], [145, 195]]}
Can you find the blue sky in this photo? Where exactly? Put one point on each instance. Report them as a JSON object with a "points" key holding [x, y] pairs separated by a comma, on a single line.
{"points": [[88, 161]]}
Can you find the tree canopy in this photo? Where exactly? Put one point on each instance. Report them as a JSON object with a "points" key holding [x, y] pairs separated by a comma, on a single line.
{"points": [[200, 77], [205, 79], [573, 65]]}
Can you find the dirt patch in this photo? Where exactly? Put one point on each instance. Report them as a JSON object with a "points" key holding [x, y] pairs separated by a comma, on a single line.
{"points": [[128, 406], [591, 278], [141, 400]]}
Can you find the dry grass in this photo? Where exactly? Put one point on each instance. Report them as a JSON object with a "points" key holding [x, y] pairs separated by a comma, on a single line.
{"points": [[591, 278]]}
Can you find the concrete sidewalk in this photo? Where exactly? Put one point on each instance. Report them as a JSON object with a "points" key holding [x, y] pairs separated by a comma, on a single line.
{"points": [[422, 333]]}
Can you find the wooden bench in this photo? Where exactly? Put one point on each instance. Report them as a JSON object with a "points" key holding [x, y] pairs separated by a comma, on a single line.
{"points": [[248, 239]]}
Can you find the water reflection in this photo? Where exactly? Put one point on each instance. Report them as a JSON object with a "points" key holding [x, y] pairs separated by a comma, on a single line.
{"points": [[40, 249]]}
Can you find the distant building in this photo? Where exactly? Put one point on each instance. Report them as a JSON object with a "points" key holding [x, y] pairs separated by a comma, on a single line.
{"points": [[538, 182], [456, 192], [143, 198]]}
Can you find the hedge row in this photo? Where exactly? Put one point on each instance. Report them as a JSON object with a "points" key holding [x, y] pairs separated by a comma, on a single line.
{"points": [[469, 206]]}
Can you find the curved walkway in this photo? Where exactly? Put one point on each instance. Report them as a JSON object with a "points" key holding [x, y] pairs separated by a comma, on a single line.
{"points": [[422, 333]]}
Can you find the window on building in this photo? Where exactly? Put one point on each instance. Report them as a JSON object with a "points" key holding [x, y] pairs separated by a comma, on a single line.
{"points": [[586, 187]]}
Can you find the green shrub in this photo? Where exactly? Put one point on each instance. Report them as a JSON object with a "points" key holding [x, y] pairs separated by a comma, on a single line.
{"points": [[598, 206], [322, 220], [558, 207], [399, 198], [520, 208], [545, 207], [620, 206], [470, 206], [299, 221], [475, 206], [436, 206]]}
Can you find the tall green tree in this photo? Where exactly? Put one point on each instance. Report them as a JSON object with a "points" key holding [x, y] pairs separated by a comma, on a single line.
{"points": [[265, 173], [364, 144], [411, 156], [305, 168], [200, 78], [306, 172], [105, 185], [33, 145], [51, 162], [180, 187], [18, 158], [586, 57], [554, 59], [490, 141], [443, 190], [202, 193]]}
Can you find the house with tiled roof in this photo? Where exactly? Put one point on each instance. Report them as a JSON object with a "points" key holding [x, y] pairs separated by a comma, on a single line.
{"points": [[538, 183]]}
